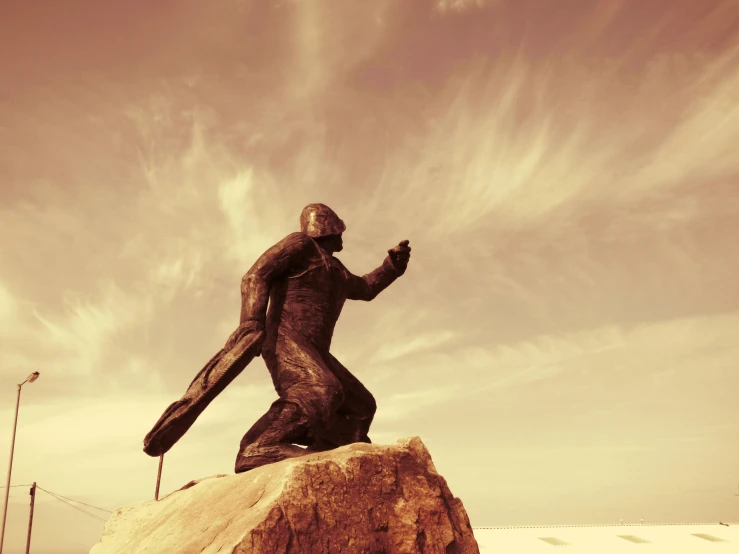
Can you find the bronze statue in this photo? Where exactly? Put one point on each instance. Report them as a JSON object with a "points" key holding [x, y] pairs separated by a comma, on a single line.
{"points": [[321, 405]]}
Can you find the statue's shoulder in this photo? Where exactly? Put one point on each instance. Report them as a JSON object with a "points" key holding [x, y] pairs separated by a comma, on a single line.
{"points": [[339, 263], [297, 240], [342, 267]]}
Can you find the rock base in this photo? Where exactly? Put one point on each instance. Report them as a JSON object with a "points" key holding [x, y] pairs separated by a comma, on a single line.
{"points": [[361, 498]]}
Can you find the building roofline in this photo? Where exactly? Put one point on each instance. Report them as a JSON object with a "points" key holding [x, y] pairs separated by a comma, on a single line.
{"points": [[724, 524]]}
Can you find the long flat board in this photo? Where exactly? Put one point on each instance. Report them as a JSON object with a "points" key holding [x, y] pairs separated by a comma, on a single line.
{"points": [[222, 368]]}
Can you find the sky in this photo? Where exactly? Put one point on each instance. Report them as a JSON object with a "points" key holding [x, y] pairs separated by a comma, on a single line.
{"points": [[565, 338]]}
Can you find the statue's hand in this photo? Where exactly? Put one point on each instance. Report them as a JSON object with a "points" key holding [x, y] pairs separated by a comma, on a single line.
{"points": [[246, 328], [400, 255]]}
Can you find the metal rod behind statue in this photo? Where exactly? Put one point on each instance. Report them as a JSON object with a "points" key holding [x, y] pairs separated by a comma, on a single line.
{"points": [[159, 477]]}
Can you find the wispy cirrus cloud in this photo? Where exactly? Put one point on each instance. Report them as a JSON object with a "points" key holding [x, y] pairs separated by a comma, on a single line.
{"points": [[459, 6], [593, 363], [8, 307], [421, 402]]}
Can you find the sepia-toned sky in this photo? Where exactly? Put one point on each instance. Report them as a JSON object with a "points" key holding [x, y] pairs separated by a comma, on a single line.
{"points": [[566, 338]]}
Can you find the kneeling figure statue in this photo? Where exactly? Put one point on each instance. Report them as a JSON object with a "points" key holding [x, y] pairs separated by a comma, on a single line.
{"points": [[321, 405]]}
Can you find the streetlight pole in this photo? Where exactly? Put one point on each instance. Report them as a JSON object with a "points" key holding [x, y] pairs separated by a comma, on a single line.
{"points": [[30, 518], [30, 379]]}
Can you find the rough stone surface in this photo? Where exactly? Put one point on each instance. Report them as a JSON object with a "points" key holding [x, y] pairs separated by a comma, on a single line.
{"points": [[360, 498]]}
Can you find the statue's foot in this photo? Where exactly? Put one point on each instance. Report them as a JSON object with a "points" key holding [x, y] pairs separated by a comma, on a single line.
{"points": [[256, 455], [320, 445]]}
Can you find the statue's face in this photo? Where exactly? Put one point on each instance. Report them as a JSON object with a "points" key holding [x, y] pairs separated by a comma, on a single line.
{"points": [[331, 243], [338, 242]]}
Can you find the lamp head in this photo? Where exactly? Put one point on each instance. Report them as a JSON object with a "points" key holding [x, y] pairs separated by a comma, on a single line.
{"points": [[33, 376]]}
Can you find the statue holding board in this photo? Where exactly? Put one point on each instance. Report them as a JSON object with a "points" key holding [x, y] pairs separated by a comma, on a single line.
{"points": [[321, 405]]}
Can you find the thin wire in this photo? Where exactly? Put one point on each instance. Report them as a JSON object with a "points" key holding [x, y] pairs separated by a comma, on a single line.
{"points": [[71, 505], [12, 486], [72, 500], [77, 501]]}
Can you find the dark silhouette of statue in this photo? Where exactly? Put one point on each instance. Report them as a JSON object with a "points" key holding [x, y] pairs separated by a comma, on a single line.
{"points": [[321, 405]]}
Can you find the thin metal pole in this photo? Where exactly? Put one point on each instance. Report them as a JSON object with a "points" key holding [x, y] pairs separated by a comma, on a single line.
{"points": [[10, 469], [159, 479], [30, 518]]}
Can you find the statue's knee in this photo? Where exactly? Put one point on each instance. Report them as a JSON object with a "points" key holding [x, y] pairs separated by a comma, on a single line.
{"points": [[367, 407], [371, 406], [322, 402], [335, 398]]}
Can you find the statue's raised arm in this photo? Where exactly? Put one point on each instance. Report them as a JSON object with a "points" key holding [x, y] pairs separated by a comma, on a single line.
{"points": [[369, 286]]}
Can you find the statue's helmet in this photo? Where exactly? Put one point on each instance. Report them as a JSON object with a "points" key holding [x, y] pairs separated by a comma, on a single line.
{"points": [[318, 220]]}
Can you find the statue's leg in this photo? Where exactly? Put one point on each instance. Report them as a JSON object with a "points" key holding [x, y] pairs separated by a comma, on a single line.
{"points": [[354, 416], [295, 430], [309, 397], [275, 433], [358, 401]]}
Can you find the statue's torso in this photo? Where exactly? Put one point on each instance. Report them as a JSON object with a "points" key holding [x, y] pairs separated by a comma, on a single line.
{"points": [[308, 300]]}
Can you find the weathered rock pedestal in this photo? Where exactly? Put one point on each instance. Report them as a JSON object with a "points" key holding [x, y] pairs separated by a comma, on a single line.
{"points": [[361, 498]]}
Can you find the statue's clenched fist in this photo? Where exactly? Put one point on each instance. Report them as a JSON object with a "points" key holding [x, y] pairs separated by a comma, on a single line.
{"points": [[400, 255]]}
